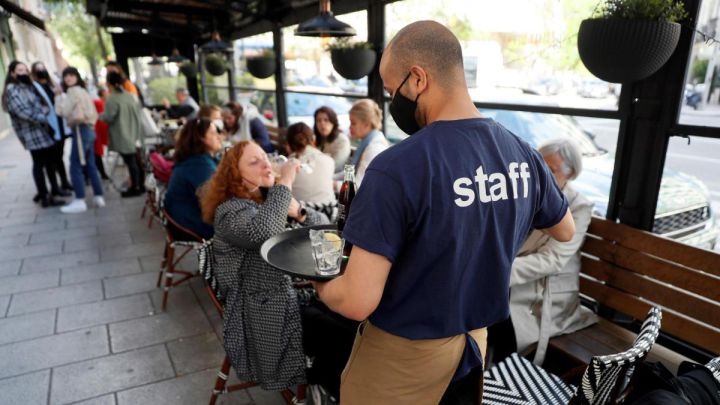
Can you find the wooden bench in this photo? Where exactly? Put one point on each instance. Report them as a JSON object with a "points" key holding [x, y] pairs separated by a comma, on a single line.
{"points": [[629, 270]]}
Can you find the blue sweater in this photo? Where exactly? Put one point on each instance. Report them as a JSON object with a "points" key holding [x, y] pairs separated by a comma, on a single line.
{"points": [[181, 200]]}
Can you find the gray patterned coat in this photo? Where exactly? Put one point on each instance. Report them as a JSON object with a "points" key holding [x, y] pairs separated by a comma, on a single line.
{"points": [[262, 330]]}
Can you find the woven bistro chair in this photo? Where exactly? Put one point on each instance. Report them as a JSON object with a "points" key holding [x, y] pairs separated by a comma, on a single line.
{"points": [[177, 237], [205, 258], [606, 377]]}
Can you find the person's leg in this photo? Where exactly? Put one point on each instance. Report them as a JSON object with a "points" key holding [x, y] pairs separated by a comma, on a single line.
{"points": [[88, 136], [38, 175], [76, 170], [59, 151], [131, 163], [101, 167], [48, 161]]}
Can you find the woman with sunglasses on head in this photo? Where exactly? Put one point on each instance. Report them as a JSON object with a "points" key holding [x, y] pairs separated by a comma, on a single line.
{"points": [[198, 141]]}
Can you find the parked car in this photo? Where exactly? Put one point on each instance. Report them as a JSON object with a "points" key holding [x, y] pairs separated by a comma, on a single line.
{"points": [[594, 89], [683, 212], [301, 107]]}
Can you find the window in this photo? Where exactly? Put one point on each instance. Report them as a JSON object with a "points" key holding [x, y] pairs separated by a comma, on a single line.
{"points": [[689, 200], [301, 108], [248, 47], [701, 100], [517, 51], [307, 62]]}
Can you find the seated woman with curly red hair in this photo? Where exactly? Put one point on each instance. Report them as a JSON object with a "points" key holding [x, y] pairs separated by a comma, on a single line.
{"points": [[248, 205]]}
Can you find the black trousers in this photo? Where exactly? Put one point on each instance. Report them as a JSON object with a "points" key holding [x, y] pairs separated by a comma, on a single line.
{"points": [[58, 152], [100, 166], [131, 162], [44, 162], [501, 341]]}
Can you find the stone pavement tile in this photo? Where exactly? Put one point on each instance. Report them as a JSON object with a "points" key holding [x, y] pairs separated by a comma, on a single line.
{"points": [[24, 327], [89, 219], [4, 301], [157, 329], [31, 228], [109, 374], [108, 311], [122, 227], [99, 271], [13, 241], [45, 249], [28, 389], [43, 237], [97, 242], [11, 268], [191, 389], [132, 284], [260, 396], [29, 282], [181, 298], [148, 235], [134, 250], [103, 400], [151, 263], [56, 297], [196, 353], [63, 261], [19, 219], [38, 354]]}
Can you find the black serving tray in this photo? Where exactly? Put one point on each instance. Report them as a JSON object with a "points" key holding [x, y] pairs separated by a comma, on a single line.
{"points": [[291, 253]]}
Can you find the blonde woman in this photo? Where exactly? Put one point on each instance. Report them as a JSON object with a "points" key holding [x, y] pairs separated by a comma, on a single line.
{"points": [[365, 123]]}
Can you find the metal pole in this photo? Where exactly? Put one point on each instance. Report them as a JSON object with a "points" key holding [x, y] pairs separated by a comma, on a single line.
{"points": [[203, 77], [376, 36], [280, 104], [231, 75]]}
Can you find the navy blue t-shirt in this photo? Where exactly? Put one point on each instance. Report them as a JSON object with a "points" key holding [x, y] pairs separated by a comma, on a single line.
{"points": [[450, 207]]}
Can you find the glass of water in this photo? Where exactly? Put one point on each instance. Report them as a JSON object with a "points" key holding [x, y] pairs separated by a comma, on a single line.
{"points": [[327, 248]]}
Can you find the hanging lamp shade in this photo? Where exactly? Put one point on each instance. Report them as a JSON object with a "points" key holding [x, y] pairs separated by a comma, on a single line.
{"points": [[215, 44], [324, 25], [176, 57], [155, 61]]}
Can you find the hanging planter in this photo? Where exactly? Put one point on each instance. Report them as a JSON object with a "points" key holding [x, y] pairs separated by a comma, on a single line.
{"points": [[261, 66], [215, 65], [629, 40], [352, 60], [188, 69]]}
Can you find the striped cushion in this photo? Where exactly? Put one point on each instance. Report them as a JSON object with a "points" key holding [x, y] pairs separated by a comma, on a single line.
{"points": [[604, 372], [714, 367], [515, 380]]}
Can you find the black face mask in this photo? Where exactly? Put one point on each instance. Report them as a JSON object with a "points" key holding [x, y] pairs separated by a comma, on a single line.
{"points": [[42, 74], [24, 79], [403, 109]]}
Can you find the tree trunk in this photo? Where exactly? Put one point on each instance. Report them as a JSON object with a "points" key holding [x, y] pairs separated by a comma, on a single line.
{"points": [[98, 32]]}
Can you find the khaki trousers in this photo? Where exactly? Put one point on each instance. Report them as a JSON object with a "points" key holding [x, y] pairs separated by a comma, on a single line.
{"points": [[388, 369]]}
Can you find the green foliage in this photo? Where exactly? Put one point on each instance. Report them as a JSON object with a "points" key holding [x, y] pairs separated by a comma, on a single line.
{"points": [[76, 30], [663, 10], [264, 53], [699, 70], [164, 87], [347, 43], [215, 62]]}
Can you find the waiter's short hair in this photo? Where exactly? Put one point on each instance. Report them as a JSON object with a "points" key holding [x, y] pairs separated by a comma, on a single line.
{"points": [[430, 45]]}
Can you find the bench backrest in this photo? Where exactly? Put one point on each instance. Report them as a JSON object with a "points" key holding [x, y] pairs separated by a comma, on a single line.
{"points": [[630, 270]]}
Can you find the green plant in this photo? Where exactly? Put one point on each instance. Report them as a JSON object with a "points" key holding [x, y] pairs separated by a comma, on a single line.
{"points": [[662, 10], [347, 43], [699, 70], [264, 53], [216, 60]]}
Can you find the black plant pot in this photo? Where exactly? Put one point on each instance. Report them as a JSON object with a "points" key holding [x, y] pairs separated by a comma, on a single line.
{"points": [[622, 51], [261, 67], [215, 65], [353, 63], [188, 69]]}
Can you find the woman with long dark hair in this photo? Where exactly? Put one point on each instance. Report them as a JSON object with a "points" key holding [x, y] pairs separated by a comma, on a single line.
{"points": [[329, 139], [122, 113], [29, 116], [75, 105]]}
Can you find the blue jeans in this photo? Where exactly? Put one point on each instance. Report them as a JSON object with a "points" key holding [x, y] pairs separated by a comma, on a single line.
{"points": [[87, 135]]}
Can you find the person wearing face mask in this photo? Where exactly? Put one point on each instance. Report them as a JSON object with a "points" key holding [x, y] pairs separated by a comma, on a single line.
{"points": [[434, 228], [29, 116], [247, 205], [328, 137], [365, 124], [243, 123], [198, 142], [46, 88], [122, 113], [76, 107]]}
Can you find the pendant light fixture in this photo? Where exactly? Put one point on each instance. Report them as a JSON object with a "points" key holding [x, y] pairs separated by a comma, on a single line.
{"points": [[324, 25], [215, 44]]}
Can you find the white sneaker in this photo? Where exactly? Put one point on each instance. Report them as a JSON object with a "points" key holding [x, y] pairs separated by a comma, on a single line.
{"points": [[76, 206], [99, 201]]}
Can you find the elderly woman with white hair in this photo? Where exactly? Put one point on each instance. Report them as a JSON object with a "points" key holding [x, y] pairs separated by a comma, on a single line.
{"points": [[544, 282]]}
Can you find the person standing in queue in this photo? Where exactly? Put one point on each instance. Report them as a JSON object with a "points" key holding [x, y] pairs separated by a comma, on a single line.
{"points": [[435, 227]]}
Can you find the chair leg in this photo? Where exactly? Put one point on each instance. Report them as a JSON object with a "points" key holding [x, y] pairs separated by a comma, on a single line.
{"points": [[169, 273], [162, 265], [221, 380]]}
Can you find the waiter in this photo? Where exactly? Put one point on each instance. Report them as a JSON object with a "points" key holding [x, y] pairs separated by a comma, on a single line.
{"points": [[434, 229]]}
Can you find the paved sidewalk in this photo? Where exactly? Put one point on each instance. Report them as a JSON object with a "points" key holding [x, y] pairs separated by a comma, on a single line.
{"points": [[79, 312]]}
